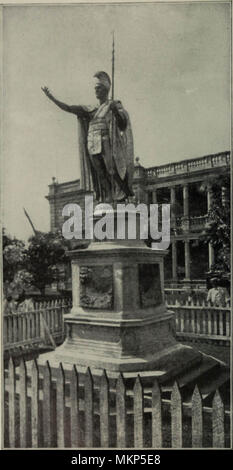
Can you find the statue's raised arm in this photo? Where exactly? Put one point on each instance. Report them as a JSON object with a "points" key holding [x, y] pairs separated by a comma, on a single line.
{"points": [[74, 109]]}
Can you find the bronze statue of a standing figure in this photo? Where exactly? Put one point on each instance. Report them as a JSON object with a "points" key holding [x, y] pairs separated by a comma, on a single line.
{"points": [[105, 144]]}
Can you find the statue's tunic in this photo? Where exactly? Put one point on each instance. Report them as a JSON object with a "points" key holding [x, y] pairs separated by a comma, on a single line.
{"points": [[105, 142], [98, 131]]}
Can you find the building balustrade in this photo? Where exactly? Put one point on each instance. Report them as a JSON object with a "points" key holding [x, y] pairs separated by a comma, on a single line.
{"points": [[189, 166], [192, 223]]}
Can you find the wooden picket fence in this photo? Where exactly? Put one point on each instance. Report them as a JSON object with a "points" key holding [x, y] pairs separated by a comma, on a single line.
{"points": [[42, 325], [53, 407], [202, 320], [194, 319]]}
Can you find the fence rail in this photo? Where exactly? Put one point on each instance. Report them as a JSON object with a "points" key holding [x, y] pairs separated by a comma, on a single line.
{"points": [[203, 320], [46, 407], [181, 295], [42, 325]]}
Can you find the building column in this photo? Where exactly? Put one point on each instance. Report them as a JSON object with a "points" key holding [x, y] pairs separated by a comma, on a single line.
{"points": [[209, 197], [172, 202], [174, 260], [211, 255], [186, 200], [154, 196], [173, 198], [161, 272], [75, 286], [209, 205], [52, 202], [187, 259]]}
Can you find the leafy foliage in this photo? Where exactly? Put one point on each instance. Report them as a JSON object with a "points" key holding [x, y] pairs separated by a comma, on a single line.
{"points": [[46, 251], [15, 275], [37, 265], [217, 231], [14, 256]]}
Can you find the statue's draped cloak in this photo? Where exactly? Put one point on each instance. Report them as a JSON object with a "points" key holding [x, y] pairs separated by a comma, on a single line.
{"points": [[123, 152]]}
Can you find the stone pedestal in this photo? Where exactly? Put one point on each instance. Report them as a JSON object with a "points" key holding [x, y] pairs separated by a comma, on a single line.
{"points": [[119, 321]]}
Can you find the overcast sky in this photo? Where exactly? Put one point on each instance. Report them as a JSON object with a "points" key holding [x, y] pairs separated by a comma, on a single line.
{"points": [[172, 76]]}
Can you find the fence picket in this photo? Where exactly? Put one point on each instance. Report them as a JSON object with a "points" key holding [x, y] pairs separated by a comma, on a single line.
{"points": [[23, 403], [47, 310], [35, 404], [204, 320], [5, 329], [104, 410], [38, 324], [198, 322], [74, 408], [10, 333], [209, 322], [215, 332], [47, 405], [228, 323], [121, 412], [12, 389], [187, 320], [6, 332], [182, 320], [221, 323], [218, 421], [23, 327], [138, 413], [15, 329], [156, 416], [28, 326], [61, 318], [20, 328], [60, 402], [57, 318], [54, 307], [197, 419], [192, 320], [33, 324], [176, 417], [55, 328], [37, 321], [88, 390], [8, 329]]}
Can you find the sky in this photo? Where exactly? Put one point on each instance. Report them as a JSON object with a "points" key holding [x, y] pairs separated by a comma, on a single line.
{"points": [[172, 74]]}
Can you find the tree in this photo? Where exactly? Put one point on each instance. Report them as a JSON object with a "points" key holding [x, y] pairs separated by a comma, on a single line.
{"points": [[15, 275], [14, 256], [217, 230], [46, 251]]}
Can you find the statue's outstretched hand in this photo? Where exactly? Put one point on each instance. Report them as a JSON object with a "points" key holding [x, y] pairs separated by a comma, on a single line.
{"points": [[46, 92]]}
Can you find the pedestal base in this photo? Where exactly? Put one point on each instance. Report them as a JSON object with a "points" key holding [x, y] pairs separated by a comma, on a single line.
{"points": [[113, 344], [163, 365]]}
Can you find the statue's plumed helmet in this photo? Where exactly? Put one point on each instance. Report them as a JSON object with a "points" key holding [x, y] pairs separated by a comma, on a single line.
{"points": [[103, 79]]}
